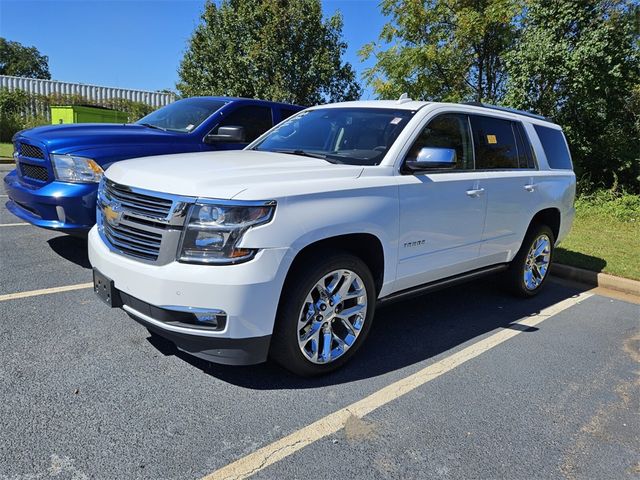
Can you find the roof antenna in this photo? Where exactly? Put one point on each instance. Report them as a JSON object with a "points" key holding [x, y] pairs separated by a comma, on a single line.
{"points": [[404, 98]]}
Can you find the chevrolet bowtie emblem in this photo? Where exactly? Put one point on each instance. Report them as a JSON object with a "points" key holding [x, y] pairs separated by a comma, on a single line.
{"points": [[112, 213]]}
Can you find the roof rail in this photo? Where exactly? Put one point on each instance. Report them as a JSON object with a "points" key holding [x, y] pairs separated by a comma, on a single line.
{"points": [[509, 110]]}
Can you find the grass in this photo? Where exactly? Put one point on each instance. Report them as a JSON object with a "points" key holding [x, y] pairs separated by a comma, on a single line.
{"points": [[6, 150], [605, 236]]}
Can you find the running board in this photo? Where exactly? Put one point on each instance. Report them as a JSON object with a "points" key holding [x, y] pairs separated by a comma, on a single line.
{"points": [[443, 283]]}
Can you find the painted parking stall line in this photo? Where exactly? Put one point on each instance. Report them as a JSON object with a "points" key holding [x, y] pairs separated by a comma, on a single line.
{"points": [[13, 224], [45, 291], [332, 423]]}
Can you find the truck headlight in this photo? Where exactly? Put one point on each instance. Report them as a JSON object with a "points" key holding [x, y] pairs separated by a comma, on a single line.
{"points": [[213, 231], [74, 169]]}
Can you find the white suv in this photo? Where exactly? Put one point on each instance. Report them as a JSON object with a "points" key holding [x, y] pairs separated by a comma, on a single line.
{"points": [[284, 249]]}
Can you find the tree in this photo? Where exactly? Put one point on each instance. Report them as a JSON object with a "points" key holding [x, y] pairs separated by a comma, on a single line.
{"points": [[273, 49], [578, 62], [21, 61], [448, 50]]}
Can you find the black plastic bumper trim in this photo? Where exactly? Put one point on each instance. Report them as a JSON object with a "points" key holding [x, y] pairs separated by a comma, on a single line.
{"points": [[227, 351]]}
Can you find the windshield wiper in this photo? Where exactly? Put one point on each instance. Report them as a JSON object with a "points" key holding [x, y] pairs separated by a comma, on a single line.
{"points": [[304, 153], [150, 125]]}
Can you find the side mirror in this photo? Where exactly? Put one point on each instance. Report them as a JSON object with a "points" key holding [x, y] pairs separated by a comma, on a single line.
{"points": [[231, 134], [430, 158]]}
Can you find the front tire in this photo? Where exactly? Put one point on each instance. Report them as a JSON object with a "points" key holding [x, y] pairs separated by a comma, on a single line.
{"points": [[325, 313], [529, 269]]}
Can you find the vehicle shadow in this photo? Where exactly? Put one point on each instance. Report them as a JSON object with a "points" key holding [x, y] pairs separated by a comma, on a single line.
{"points": [[403, 334], [73, 249], [580, 260]]}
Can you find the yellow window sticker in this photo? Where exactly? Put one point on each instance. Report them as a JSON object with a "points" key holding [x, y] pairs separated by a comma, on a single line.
{"points": [[492, 139]]}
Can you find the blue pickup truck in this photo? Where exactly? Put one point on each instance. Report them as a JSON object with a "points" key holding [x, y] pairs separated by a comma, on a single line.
{"points": [[58, 167]]}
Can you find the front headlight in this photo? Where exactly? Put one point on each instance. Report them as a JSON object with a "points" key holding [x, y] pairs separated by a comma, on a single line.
{"points": [[74, 169], [213, 231]]}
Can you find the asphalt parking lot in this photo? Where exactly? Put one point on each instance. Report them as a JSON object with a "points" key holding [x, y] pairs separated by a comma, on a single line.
{"points": [[463, 383]]}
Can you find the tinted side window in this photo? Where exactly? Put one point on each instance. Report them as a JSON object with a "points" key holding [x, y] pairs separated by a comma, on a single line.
{"points": [[555, 147], [255, 120], [286, 113], [450, 130], [525, 152], [494, 142]]}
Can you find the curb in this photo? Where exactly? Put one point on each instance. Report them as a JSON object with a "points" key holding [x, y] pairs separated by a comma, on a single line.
{"points": [[5, 160], [596, 279]]}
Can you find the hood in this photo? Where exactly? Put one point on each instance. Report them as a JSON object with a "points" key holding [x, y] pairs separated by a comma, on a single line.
{"points": [[74, 137], [226, 174]]}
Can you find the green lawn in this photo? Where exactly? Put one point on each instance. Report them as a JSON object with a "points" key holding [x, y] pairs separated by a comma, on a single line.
{"points": [[605, 236], [6, 150]]}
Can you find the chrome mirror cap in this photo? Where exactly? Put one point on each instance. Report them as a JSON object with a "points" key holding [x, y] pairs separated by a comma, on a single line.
{"points": [[430, 158]]}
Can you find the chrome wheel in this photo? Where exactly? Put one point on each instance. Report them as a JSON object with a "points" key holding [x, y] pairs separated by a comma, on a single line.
{"points": [[332, 316], [537, 262]]}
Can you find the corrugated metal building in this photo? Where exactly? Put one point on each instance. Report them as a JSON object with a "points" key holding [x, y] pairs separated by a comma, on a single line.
{"points": [[93, 93]]}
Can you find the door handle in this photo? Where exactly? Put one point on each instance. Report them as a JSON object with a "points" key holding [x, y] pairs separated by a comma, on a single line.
{"points": [[476, 192], [531, 187]]}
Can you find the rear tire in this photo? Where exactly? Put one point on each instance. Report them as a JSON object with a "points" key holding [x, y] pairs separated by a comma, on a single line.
{"points": [[325, 313], [529, 269]]}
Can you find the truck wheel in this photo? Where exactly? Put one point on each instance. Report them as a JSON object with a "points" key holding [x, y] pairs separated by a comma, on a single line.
{"points": [[326, 310], [529, 269]]}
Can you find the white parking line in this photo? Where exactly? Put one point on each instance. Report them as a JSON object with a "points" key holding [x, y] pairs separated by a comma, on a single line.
{"points": [[12, 224], [280, 449], [45, 291]]}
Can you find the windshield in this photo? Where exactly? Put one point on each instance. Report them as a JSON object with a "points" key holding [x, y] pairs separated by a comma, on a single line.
{"points": [[356, 136], [183, 115]]}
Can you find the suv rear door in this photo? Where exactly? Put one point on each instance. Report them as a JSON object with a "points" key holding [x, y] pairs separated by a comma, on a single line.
{"points": [[504, 153], [441, 211]]}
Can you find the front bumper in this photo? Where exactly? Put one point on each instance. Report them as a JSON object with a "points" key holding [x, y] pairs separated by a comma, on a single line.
{"points": [[218, 349], [66, 207], [248, 293]]}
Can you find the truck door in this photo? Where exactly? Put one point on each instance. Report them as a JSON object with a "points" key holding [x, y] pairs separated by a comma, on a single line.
{"points": [[254, 120]]}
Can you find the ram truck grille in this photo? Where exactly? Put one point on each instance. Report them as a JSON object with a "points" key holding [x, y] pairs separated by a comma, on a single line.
{"points": [[31, 151], [34, 171]]}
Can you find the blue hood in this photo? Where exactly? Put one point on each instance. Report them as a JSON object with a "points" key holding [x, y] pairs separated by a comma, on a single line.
{"points": [[77, 137]]}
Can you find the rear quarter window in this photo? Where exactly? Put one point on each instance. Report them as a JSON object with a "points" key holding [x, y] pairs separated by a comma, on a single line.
{"points": [[555, 147]]}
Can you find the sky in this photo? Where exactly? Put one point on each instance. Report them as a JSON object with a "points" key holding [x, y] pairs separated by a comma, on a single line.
{"points": [[139, 43]]}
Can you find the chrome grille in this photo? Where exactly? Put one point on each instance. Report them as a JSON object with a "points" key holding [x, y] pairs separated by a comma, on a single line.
{"points": [[141, 224], [133, 241], [134, 202], [34, 171], [31, 151]]}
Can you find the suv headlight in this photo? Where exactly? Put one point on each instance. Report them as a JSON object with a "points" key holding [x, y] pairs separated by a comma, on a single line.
{"points": [[74, 169], [213, 231]]}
